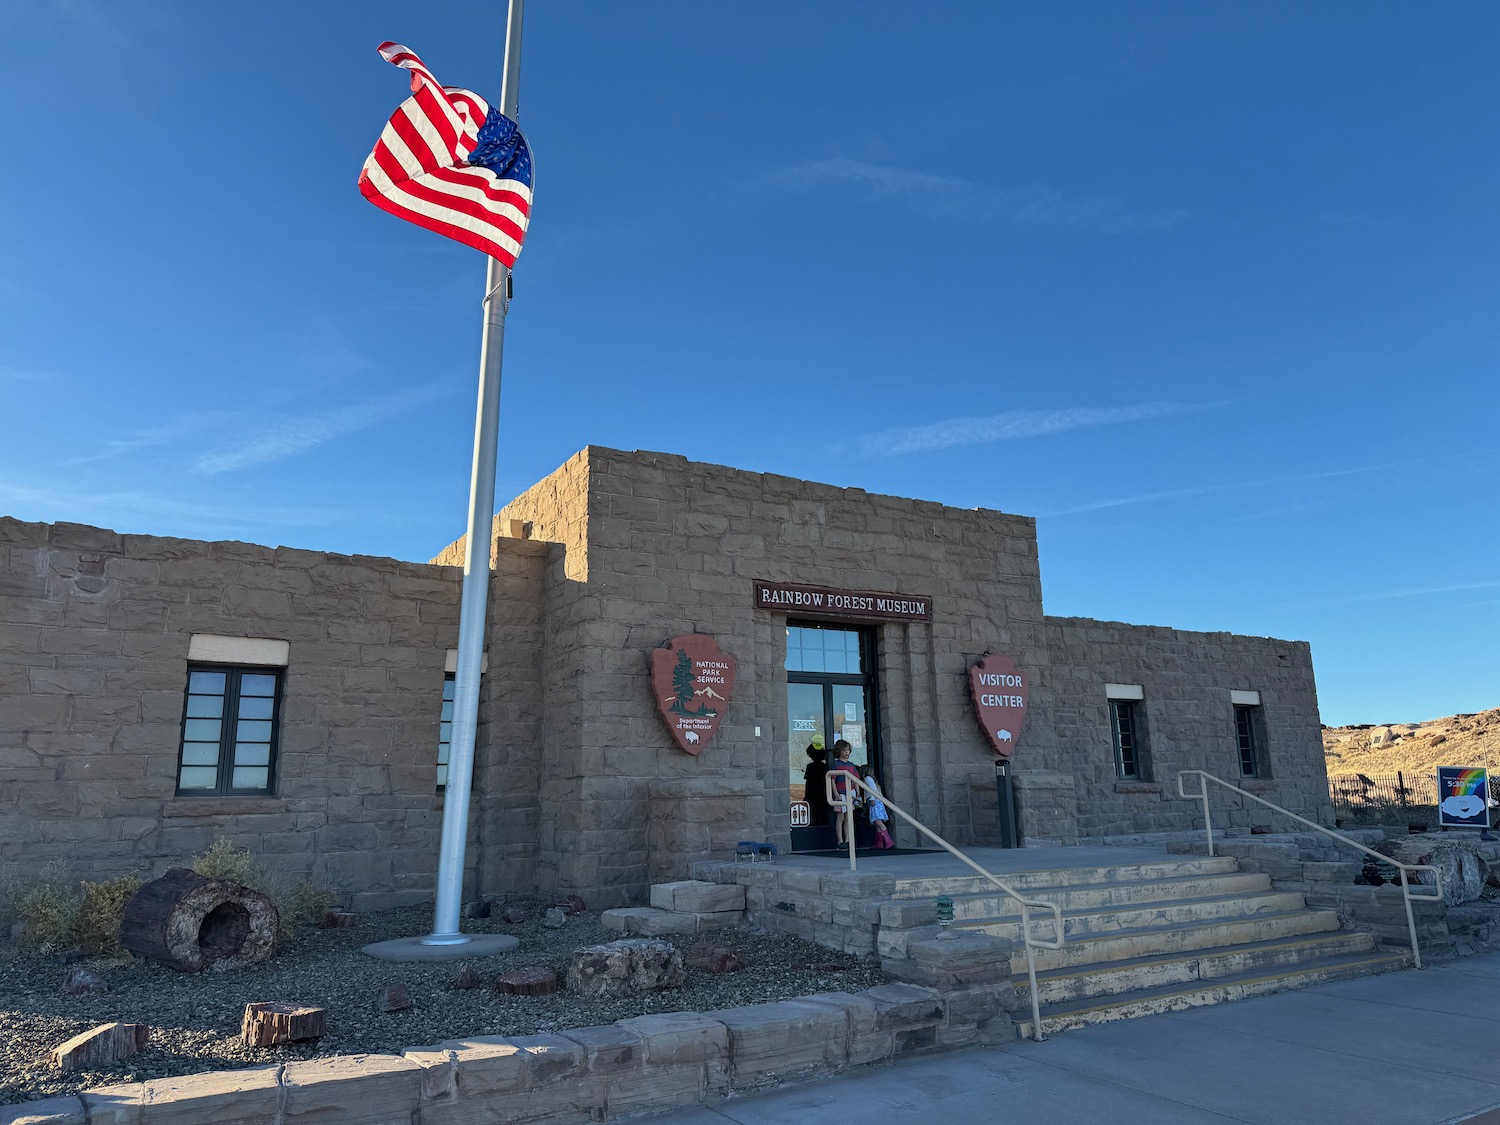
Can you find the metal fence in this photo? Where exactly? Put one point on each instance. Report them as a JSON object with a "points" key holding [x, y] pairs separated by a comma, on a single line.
{"points": [[1391, 798], [1396, 798]]}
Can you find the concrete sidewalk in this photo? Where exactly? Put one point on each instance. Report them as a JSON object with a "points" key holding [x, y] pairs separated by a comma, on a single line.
{"points": [[1407, 1048]]}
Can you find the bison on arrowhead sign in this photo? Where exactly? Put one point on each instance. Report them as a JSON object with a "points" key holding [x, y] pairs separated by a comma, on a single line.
{"points": [[999, 692], [693, 682]]}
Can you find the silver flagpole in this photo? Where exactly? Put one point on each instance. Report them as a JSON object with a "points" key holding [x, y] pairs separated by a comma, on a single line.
{"points": [[473, 612]]}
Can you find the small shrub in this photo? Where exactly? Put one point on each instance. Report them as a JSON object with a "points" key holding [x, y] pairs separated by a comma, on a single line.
{"points": [[307, 904], [97, 929], [298, 904], [47, 908], [224, 861]]}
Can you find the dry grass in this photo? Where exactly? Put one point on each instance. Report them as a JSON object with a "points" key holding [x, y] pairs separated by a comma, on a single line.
{"points": [[97, 928], [46, 906], [1414, 748]]}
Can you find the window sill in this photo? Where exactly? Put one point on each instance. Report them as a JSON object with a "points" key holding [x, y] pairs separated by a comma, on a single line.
{"points": [[215, 805], [1258, 785], [1138, 787]]}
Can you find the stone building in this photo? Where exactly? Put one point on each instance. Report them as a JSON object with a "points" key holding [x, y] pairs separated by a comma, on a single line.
{"points": [[158, 693]]}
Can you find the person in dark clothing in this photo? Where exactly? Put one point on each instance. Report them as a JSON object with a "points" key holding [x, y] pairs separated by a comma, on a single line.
{"points": [[816, 793]]}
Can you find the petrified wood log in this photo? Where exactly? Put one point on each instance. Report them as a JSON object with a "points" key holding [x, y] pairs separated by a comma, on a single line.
{"points": [[268, 1024], [531, 981], [190, 923], [100, 1046], [1464, 871]]}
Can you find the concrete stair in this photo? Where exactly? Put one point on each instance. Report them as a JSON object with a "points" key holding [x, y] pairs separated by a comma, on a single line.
{"points": [[1155, 937]]}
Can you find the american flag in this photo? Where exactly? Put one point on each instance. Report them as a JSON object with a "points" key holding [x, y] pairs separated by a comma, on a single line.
{"points": [[450, 162]]}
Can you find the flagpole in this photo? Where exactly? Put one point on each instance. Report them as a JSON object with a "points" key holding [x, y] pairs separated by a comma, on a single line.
{"points": [[474, 607]]}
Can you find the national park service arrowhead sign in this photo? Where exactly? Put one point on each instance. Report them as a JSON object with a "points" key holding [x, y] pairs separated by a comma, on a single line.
{"points": [[693, 682], [1000, 693]]}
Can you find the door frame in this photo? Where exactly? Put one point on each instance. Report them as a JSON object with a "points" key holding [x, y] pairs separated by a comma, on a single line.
{"points": [[870, 681]]}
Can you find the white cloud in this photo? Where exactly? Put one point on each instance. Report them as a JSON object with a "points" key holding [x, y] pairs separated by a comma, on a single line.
{"points": [[1008, 426], [106, 509], [1032, 205], [1233, 486], [23, 375], [299, 435], [1401, 592]]}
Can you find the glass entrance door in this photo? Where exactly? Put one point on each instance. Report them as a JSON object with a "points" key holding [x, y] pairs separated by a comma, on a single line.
{"points": [[830, 696]]}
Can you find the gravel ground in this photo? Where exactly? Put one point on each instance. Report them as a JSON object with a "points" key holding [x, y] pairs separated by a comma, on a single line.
{"points": [[195, 1020]]}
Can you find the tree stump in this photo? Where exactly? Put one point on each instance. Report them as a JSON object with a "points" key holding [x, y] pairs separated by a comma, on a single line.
{"points": [[268, 1024], [190, 923], [100, 1046], [531, 981]]}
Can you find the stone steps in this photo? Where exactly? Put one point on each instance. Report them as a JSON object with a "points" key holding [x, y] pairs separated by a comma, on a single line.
{"points": [[1114, 919], [1182, 937], [995, 905], [1056, 986], [1064, 877], [1195, 994]]}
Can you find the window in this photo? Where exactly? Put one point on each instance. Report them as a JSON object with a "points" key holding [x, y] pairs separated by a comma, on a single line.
{"points": [[1244, 735], [229, 731], [1128, 757], [445, 731], [836, 649]]}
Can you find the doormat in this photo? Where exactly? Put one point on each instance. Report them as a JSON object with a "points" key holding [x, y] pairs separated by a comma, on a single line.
{"points": [[874, 853]]}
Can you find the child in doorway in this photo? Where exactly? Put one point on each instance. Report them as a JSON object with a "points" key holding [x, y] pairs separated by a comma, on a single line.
{"points": [[846, 793], [879, 815]]}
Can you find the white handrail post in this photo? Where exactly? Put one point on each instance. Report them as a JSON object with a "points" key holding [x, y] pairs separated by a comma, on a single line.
{"points": [[1208, 823], [1036, 1000], [845, 806], [1411, 919]]}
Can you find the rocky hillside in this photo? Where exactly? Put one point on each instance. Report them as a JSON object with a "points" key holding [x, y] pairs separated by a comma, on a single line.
{"points": [[1458, 740]]}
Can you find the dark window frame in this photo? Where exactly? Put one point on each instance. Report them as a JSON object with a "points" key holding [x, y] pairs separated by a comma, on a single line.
{"points": [[1125, 730], [868, 678], [1247, 740], [445, 745], [233, 675]]}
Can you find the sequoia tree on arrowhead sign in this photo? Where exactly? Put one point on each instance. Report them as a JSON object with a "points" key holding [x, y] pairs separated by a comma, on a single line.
{"points": [[693, 682]]}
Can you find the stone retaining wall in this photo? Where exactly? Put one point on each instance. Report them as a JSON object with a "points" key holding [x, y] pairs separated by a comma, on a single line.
{"points": [[655, 1062]]}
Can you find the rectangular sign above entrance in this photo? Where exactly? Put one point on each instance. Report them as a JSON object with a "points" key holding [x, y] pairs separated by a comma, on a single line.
{"points": [[826, 601]]}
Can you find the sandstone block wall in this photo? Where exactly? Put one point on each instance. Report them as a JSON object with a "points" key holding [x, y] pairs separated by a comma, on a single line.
{"points": [[670, 546], [95, 629], [1188, 720]]}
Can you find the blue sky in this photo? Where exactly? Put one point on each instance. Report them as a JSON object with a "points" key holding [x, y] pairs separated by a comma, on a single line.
{"points": [[1210, 289]]}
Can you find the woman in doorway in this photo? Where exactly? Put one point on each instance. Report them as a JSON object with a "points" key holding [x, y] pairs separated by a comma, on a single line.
{"points": [[845, 790], [815, 791]]}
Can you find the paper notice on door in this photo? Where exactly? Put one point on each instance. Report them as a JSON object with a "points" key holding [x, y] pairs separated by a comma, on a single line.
{"points": [[851, 712]]}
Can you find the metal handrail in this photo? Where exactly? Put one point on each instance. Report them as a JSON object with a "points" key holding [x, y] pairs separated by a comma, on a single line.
{"points": [[1406, 895], [1032, 942]]}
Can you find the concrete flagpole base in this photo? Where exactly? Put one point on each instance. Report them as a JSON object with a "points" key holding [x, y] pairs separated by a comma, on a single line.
{"points": [[413, 949]]}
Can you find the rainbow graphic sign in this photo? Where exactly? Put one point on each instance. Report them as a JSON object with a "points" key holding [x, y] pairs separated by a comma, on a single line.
{"points": [[1463, 797]]}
